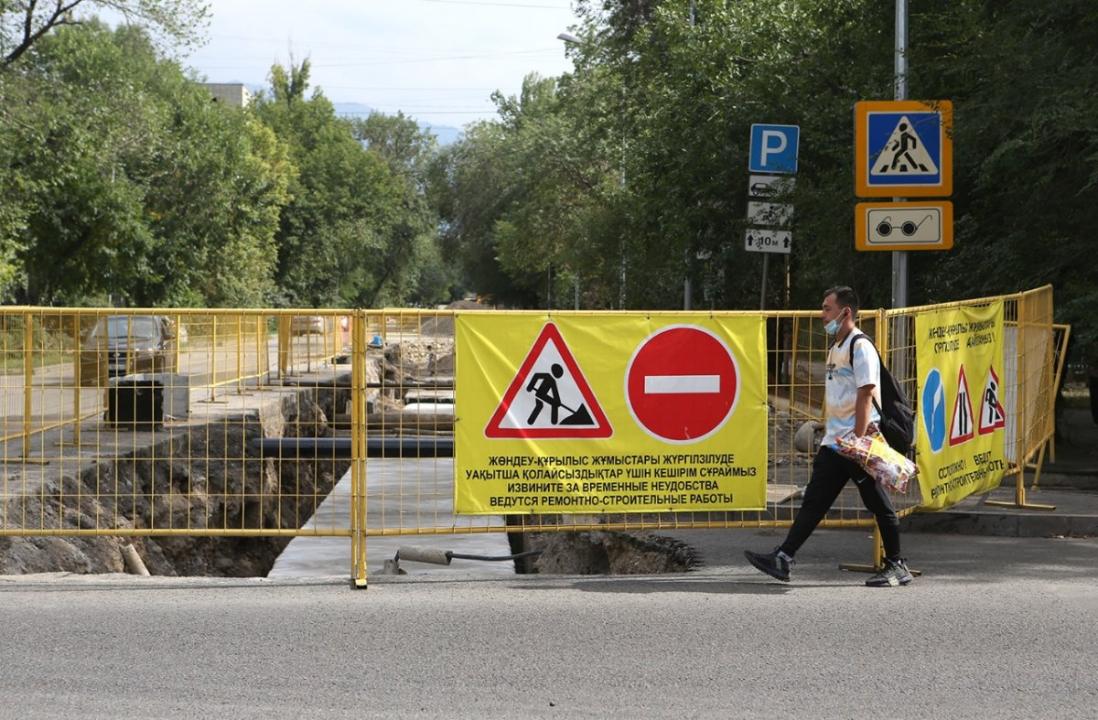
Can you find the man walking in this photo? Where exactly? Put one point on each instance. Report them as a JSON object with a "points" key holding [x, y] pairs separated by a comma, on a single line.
{"points": [[852, 398]]}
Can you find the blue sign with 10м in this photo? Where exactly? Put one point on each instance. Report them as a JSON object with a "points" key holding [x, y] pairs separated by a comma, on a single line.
{"points": [[774, 149]]}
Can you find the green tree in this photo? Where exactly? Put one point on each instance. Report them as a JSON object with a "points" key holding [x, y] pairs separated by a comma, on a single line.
{"points": [[350, 235], [23, 23], [409, 152], [140, 186], [525, 202]]}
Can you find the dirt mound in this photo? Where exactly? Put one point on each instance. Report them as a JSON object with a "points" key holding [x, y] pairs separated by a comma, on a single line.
{"points": [[443, 324], [465, 305], [418, 358], [609, 553]]}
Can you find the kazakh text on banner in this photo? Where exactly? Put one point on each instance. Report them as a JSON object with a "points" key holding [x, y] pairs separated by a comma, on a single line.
{"points": [[962, 418], [609, 413]]}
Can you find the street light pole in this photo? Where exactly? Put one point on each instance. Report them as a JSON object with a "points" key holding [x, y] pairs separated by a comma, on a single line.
{"points": [[687, 286], [899, 258]]}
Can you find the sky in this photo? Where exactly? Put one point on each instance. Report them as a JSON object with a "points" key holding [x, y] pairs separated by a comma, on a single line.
{"points": [[436, 60]]}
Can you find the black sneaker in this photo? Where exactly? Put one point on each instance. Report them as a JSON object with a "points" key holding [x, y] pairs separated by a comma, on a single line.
{"points": [[770, 563], [893, 573]]}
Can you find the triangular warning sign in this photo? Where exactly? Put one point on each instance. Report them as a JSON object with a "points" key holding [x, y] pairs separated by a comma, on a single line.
{"points": [[992, 414], [549, 397], [904, 154], [962, 428]]}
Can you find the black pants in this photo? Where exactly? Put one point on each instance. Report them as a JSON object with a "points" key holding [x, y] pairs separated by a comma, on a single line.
{"points": [[830, 471]]}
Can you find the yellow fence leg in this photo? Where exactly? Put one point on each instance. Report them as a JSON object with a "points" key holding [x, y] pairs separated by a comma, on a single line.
{"points": [[28, 380], [178, 342], [239, 354], [213, 358], [77, 382], [358, 452], [878, 556], [260, 339], [283, 346]]}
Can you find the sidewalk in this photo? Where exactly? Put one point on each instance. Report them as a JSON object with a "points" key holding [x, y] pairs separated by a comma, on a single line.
{"points": [[1070, 483]]}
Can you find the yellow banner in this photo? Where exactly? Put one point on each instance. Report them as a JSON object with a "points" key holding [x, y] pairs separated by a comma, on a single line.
{"points": [[962, 419], [609, 413]]}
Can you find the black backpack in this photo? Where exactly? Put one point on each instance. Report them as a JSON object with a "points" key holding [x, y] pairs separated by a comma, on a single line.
{"points": [[897, 417]]}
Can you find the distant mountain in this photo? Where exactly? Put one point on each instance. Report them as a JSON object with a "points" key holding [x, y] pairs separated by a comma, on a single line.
{"points": [[351, 109], [444, 133]]}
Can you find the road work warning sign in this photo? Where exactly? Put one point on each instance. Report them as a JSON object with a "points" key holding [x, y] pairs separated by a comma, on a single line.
{"points": [[609, 413], [549, 397], [961, 436]]}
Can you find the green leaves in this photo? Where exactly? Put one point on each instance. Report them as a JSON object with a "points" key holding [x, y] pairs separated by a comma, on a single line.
{"points": [[357, 230], [129, 181], [638, 158]]}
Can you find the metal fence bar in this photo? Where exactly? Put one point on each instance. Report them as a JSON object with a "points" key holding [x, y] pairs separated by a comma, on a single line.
{"points": [[358, 462], [28, 381]]}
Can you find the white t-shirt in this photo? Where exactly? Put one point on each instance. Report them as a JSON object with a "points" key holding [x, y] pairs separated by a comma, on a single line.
{"points": [[843, 382]]}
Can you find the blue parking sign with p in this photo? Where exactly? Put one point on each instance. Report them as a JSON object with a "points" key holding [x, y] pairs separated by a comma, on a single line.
{"points": [[774, 148]]}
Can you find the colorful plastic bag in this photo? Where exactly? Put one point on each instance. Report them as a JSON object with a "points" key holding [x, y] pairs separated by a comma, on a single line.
{"points": [[873, 453]]}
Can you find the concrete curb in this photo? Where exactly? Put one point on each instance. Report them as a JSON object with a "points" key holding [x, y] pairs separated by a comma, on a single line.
{"points": [[1035, 523]]}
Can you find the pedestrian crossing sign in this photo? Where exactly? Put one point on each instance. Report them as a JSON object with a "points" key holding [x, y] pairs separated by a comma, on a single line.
{"points": [[904, 148]]}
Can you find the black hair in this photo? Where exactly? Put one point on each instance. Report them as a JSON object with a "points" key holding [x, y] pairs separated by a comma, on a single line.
{"points": [[845, 297]]}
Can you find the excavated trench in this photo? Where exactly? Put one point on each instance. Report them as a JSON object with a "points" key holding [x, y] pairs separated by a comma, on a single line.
{"points": [[191, 477], [599, 552]]}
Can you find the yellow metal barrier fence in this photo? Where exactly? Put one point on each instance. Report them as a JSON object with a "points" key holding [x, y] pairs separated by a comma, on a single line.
{"points": [[87, 453], [143, 423]]}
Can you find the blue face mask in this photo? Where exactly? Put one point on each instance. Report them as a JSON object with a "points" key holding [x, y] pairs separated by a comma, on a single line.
{"points": [[832, 327]]}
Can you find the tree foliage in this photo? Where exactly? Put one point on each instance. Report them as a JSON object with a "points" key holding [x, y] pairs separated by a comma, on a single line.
{"points": [[641, 154], [121, 180], [23, 23], [354, 232], [132, 183]]}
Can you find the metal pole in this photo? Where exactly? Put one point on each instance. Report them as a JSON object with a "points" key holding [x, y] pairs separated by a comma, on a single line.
{"points": [[621, 287], [899, 259], [213, 358], [239, 354], [78, 382], [766, 269], [28, 380], [687, 290]]}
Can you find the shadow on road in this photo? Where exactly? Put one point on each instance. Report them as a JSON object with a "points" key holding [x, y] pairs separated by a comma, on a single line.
{"points": [[716, 586]]}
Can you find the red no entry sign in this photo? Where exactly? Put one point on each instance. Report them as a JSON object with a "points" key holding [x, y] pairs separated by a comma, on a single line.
{"points": [[681, 384]]}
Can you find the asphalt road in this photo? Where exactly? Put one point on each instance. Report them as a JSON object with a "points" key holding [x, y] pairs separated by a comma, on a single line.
{"points": [[997, 627]]}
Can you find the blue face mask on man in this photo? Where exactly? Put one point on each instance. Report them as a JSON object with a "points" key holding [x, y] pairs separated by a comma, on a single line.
{"points": [[832, 327]]}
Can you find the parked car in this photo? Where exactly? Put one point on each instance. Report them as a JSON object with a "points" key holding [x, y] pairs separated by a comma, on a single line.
{"points": [[126, 344]]}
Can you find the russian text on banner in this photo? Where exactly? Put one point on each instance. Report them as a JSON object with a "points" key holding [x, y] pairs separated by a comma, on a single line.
{"points": [[609, 413], [961, 414]]}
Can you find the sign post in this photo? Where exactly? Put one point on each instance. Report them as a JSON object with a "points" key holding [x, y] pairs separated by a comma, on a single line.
{"points": [[774, 150], [899, 258]]}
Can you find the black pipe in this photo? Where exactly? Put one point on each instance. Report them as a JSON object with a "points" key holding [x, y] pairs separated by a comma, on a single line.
{"points": [[408, 446]]}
